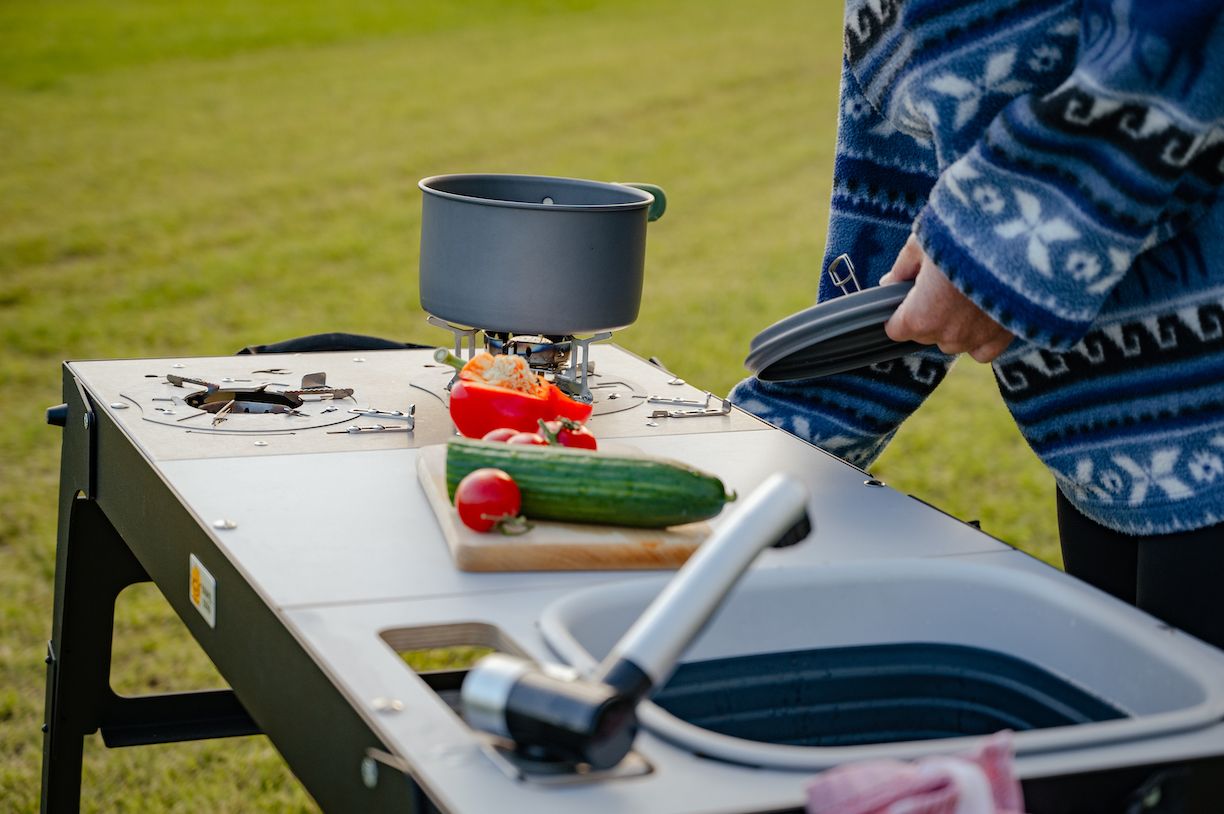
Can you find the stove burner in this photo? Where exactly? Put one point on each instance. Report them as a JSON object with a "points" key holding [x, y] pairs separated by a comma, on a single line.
{"points": [[266, 407], [257, 400], [543, 353], [247, 400], [565, 360]]}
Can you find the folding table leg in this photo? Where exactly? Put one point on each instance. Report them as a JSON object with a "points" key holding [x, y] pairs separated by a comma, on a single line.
{"points": [[93, 565]]}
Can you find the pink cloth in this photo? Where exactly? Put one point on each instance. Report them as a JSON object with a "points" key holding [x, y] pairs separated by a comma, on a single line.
{"points": [[981, 782]]}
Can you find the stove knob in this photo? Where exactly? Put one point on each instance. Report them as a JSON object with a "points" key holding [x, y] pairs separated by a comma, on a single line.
{"points": [[57, 416]]}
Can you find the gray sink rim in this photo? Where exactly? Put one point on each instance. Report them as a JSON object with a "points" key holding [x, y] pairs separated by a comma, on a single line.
{"points": [[1195, 662]]}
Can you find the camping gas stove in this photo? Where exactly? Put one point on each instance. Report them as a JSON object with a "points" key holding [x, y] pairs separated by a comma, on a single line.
{"points": [[564, 360], [275, 502]]}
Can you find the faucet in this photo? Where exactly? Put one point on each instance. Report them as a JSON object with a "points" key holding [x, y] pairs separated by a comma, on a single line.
{"points": [[552, 714]]}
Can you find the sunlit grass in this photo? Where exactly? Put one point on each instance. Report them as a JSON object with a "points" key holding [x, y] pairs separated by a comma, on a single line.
{"points": [[444, 658], [190, 178]]}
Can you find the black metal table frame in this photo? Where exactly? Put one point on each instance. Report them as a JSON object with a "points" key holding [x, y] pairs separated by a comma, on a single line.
{"points": [[120, 524]]}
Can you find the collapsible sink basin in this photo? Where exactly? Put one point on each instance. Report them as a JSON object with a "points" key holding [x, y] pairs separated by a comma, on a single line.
{"points": [[805, 668]]}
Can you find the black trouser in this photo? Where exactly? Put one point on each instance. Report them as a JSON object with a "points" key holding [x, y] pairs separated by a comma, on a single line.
{"points": [[1178, 578]]}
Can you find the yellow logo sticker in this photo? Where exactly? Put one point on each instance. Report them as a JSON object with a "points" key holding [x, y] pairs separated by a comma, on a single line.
{"points": [[202, 589]]}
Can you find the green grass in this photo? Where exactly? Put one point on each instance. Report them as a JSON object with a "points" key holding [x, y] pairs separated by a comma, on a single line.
{"points": [[436, 658], [190, 178]]}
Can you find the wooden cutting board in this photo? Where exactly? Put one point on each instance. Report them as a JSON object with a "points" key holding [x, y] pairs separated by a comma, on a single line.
{"points": [[552, 546]]}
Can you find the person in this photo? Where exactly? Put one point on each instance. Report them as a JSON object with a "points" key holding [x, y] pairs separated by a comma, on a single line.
{"points": [[1049, 175]]}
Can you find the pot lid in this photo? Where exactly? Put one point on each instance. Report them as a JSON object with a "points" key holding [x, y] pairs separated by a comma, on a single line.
{"points": [[832, 337]]}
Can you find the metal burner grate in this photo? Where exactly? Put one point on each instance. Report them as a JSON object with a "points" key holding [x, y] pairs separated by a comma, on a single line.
{"points": [[566, 360]]}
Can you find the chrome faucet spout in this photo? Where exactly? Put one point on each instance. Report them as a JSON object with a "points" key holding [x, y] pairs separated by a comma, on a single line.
{"points": [[774, 515], [593, 720]]}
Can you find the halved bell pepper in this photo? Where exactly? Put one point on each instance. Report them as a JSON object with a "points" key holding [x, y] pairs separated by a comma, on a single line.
{"points": [[478, 406]]}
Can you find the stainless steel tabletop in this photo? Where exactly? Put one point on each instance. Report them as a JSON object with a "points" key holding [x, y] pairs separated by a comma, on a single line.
{"points": [[335, 534]]}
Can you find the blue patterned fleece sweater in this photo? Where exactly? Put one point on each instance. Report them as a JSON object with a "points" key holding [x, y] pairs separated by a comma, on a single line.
{"points": [[1062, 162]]}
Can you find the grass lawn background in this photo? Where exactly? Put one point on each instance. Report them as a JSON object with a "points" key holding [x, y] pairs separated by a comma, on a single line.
{"points": [[189, 178]]}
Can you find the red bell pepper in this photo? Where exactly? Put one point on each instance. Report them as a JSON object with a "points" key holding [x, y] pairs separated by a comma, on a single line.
{"points": [[493, 392], [476, 408]]}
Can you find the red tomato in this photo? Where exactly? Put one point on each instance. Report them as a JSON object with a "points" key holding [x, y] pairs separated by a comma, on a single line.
{"points": [[531, 438], [569, 434], [486, 498], [500, 434]]}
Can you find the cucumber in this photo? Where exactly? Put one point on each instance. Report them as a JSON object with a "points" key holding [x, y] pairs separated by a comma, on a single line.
{"points": [[585, 486]]}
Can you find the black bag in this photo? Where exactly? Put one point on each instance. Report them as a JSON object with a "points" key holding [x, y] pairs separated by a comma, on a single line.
{"points": [[316, 343]]}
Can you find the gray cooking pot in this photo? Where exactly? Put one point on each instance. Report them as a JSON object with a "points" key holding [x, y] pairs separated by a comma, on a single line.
{"points": [[532, 254]]}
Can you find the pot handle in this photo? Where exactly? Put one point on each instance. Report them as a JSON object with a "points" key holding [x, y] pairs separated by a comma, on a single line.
{"points": [[660, 199]]}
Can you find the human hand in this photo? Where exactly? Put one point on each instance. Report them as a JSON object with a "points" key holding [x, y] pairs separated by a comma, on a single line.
{"points": [[934, 312]]}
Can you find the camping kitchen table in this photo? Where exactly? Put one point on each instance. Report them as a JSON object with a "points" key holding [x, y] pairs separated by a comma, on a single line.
{"points": [[297, 546]]}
